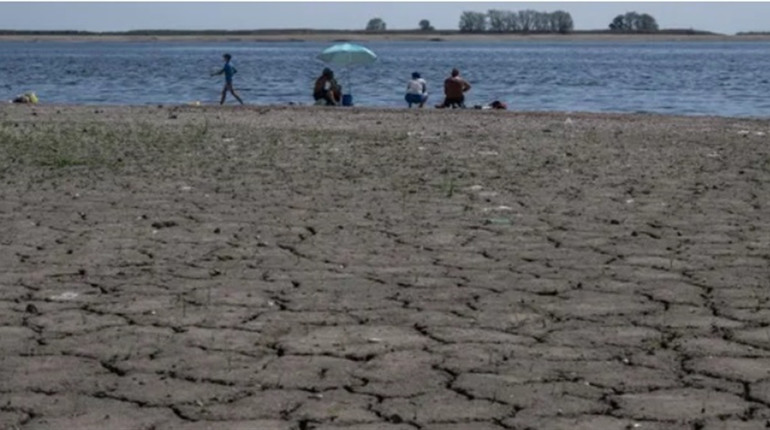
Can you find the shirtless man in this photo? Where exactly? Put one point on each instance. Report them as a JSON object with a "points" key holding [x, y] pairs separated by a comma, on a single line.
{"points": [[455, 88]]}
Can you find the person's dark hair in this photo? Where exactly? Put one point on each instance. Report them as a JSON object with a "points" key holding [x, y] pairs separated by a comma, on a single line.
{"points": [[328, 73], [227, 57], [415, 75], [455, 72]]}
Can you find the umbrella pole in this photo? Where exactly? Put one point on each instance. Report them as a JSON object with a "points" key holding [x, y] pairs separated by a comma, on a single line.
{"points": [[346, 80]]}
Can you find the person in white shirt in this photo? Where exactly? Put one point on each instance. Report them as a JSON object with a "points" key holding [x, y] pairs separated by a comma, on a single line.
{"points": [[416, 91]]}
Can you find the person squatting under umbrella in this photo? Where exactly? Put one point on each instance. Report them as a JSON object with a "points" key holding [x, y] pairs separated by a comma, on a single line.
{"points": [[327, 89]]}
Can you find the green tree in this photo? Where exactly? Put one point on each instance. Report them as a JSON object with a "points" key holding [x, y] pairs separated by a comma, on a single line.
{"points": [[425, 25], [376, 24], [647, 23], [634, 22], [511, 21], [473, 22], [619, 24], [561, 22], [541, 22], [496, 20], [526, 20]]}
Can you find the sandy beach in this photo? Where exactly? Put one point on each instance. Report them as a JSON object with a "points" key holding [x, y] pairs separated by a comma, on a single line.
{"points": [[295, 268]]}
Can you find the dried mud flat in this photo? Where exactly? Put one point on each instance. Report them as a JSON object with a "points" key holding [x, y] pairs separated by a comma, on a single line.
{"points": [[309, 268]]}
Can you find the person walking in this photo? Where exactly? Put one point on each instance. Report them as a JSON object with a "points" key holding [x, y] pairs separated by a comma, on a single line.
{"points": [[228, 70]]}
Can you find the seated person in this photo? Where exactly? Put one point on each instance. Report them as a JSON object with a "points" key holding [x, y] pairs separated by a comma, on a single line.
{"points": [[497, 104], [326, 88], [26, 98], [455, 88], [416, 91]]}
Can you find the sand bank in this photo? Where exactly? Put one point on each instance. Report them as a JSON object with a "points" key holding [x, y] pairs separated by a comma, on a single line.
{"points": [[369, 37], [285, 268]]}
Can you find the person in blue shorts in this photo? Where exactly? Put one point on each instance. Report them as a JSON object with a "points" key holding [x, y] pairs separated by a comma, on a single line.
{"points": [[228, 70], [416, 91]]}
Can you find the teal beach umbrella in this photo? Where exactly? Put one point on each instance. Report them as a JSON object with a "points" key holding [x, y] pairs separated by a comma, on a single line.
{"points": [[347, 55]]}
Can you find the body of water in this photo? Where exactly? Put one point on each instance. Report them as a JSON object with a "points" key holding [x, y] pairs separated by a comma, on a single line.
{"points": [[690, 78]]}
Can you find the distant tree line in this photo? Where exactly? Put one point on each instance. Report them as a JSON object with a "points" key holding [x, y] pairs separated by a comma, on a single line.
{"points": [[523, 21], [377, 24], [532, 21], [46, 32]]}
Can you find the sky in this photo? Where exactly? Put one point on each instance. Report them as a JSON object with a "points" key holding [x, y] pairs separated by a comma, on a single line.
{"points": [[720, 17]]}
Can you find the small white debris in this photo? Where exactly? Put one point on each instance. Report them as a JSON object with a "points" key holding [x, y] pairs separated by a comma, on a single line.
{"points": [[68, 295], [489, 153], [637, 425], [185, 188], [421, 148], [487, 194], [712, 155], [743, 132], [475, 188], [270, 303], [374, 340], [228, 139], [759, 133], [317, 396], [629, 201], [498, 208], [568, 121]]}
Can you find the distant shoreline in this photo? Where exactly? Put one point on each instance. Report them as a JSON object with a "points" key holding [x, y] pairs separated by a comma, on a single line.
{"points": [[362, 36]]}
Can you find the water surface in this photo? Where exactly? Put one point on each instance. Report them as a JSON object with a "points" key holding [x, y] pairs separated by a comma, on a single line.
{"points": [[691, 78]]}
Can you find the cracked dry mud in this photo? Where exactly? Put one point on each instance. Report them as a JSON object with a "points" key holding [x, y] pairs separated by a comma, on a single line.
{"points": [[294, 269]]}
